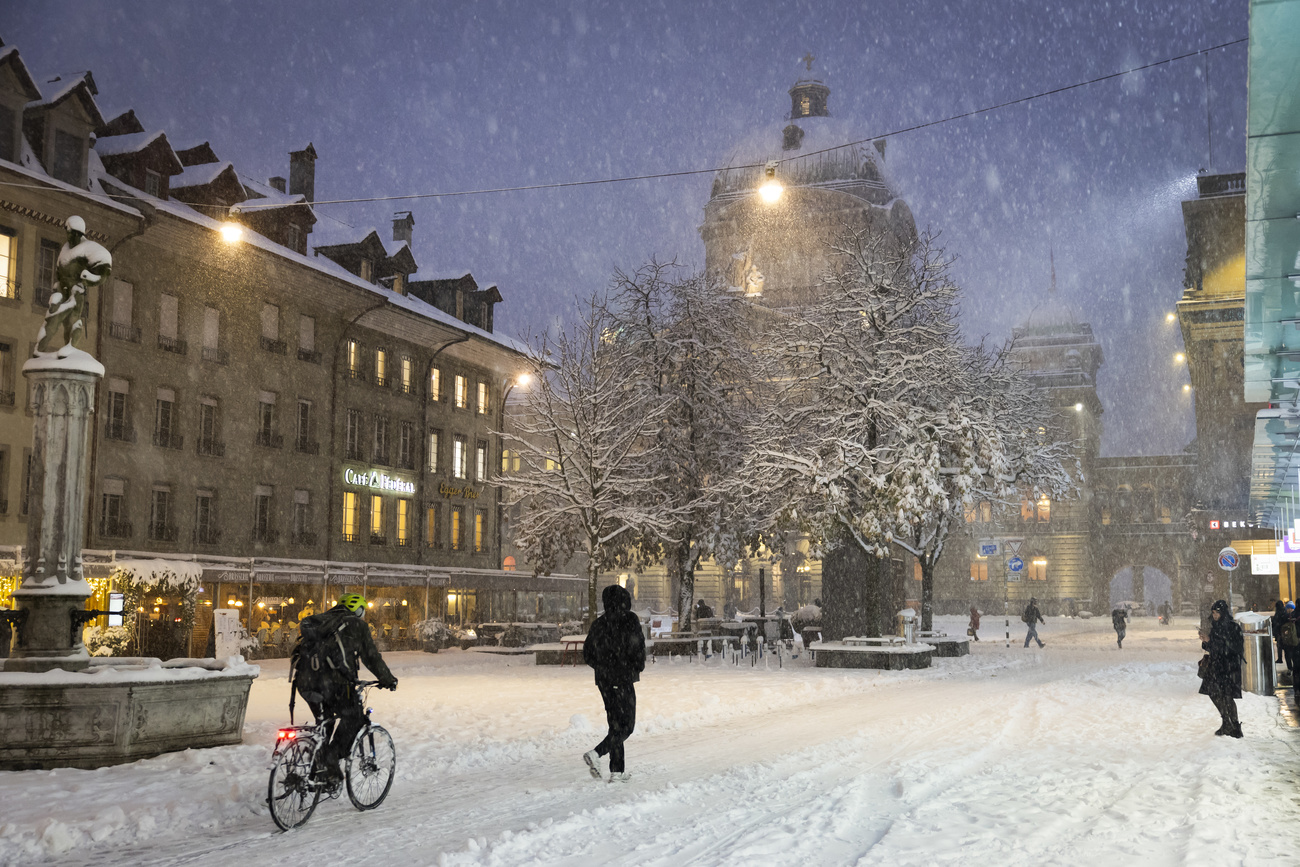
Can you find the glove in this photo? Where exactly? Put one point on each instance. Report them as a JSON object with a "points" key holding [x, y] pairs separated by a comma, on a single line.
{"points": [[390, 684]]}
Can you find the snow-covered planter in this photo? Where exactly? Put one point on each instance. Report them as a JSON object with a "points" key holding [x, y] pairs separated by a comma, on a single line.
{"points": [[434, 634], [107, 640]]}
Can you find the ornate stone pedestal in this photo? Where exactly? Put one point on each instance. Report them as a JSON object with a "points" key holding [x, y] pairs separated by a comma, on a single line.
{"points": [[54, 587]]}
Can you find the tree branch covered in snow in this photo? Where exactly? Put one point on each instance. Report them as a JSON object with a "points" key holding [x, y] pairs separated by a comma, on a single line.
{"points": [[582, 431], [689, 340]]}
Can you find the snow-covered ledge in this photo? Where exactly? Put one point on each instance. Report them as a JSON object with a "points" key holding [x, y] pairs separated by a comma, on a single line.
{"points": [[120, 710], [837, 654]]}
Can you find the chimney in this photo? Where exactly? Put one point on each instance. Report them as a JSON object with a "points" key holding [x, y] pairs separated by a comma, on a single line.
{"points": [[403, 223], [277, 182], [302, 173]]}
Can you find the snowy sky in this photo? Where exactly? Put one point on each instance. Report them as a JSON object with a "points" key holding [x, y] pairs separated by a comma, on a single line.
{"points": [[418, 97]]}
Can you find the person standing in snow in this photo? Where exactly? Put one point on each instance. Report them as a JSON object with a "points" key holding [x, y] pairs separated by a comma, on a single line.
{"points": [[1032, 618], [1119, 620], [974, 623], [1221, 679], [615, 648]]}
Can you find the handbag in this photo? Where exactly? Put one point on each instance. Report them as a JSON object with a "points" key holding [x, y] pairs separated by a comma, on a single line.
{"points": [[970, 630], [1203, 667]]}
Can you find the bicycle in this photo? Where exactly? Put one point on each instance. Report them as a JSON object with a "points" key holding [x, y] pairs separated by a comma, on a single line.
{"points": [[292, 791]]}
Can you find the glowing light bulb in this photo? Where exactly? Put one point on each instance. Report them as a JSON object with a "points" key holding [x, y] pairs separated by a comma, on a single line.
{"points": [[1179, 357], [771, 189], [231, 232], [1186, 388], [1078, 407], [1169, 317]]}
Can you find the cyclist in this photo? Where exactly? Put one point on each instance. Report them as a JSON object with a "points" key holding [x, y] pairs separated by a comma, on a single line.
{"points": [[325, 674]]}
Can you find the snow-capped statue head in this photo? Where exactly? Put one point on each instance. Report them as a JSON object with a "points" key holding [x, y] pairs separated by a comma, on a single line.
{"points": [[76, 224]]}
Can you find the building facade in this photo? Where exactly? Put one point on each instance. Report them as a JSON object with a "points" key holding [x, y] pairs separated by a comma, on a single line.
{"points": [[299, 418]]}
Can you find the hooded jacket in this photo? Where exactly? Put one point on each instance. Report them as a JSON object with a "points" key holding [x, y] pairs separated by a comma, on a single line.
{"points": [[1225, 645], [353, 636], [615, 645]]}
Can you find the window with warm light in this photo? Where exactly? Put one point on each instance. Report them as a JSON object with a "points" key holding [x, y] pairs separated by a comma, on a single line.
{"points": [[480, 461], [435, 384], [979, 570], [462, 392], [408, 373], [353, 353], [435, 438], [1036, 570], [403, 523], [376, 518], [509, 461], [381, 367], [455, 529], [482, 398], [480, 520], [8, 281]]}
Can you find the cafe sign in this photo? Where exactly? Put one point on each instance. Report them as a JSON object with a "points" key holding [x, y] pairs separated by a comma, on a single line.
{"points": [[448, 491], [377, 480]]}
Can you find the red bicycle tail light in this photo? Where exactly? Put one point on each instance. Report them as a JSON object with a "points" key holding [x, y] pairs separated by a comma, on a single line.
{"points": [[288, 733]]}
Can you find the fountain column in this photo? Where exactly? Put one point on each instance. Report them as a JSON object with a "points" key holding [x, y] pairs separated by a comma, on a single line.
{"points": [[54, 584]]}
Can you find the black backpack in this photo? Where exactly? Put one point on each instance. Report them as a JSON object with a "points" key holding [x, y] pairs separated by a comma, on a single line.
{"points": [[318, 651]]}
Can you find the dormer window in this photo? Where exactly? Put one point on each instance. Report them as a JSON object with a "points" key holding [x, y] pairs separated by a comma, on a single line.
{"points": [[367, 270], [152, 183], [293, 237], [398, 285], [69, 151]]}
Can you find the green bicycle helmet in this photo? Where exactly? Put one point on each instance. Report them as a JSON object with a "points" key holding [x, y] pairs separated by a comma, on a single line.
{"points": [[354, 602]]}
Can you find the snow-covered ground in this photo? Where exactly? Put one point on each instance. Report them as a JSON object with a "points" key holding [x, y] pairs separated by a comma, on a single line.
{"points": [[1075, 754]]}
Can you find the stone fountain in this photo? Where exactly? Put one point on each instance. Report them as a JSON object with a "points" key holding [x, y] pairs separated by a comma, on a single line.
{"points": [[58, 706]]}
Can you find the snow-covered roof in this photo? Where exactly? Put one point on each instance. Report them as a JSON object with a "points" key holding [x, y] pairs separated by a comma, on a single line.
{"points": [[822, 156], [392, 248], [64, 87], [340, 234], [264, 197], [201, 175], [444, 275], [9, 54], [114, 145]]}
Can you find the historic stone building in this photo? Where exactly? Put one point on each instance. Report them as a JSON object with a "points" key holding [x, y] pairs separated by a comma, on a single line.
{"points": [[301, 414]]}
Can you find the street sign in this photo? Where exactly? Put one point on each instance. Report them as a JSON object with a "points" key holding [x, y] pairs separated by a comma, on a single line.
{"points": [[989, 548], [1013, 546], [1015, 564], [1229, 559]]}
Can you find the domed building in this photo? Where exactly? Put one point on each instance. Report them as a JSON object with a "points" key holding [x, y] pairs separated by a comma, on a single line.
{"points": [[780, 251]]}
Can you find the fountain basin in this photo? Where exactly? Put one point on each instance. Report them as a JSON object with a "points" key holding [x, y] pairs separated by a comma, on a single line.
{"points": [[120, 710]]}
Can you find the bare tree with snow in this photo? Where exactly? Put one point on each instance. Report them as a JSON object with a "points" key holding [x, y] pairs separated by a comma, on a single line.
{"points": [[582, 431], [690, 340]]}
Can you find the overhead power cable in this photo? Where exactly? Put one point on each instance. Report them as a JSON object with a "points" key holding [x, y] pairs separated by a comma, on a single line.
{"points": [[253, 206]]}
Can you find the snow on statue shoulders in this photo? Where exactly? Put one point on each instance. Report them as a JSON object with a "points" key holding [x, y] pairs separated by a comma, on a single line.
{"points": [[82, 264]]}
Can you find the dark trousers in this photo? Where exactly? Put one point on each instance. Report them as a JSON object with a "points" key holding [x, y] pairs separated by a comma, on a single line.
{"points": [[351, 717], [620, 712], [1225, 704]]}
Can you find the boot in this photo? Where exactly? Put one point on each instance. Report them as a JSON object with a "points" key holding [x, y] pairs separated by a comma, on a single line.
{"points": [[1235, 732], [1224, 728]]}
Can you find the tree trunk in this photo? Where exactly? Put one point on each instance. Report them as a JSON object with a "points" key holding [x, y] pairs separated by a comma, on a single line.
{"points": [[686, 598], [592, 575], [851, 592], [927, 593]]}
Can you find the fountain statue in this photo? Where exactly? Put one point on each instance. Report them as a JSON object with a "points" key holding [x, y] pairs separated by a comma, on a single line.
{"points": [[58, 707]]}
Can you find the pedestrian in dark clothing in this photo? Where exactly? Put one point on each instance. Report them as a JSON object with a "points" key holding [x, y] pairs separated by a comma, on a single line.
{"points": [[1119, 620], [328, 684], [615, 648], [1287, 632], [1032, 618], [974, 623], [702, 610], [1221, 678]]}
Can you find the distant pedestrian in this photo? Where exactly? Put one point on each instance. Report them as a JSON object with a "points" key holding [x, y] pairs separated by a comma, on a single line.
{"points": [[1288, 639], [1221, 667], [1279, 617], [615, 648], [1166, 613], [702, 610], [1032, 618], [974, 627], [1119, 620], [729, 610]]}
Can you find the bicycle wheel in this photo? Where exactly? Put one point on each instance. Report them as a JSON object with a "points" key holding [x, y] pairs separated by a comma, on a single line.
{"points": [[372, 762], [290, 794]]}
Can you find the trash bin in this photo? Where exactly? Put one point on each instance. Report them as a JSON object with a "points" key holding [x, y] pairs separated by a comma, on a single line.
{"points": [[1257, 669], [906, 622]]}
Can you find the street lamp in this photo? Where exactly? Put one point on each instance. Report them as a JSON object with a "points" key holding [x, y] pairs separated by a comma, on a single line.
{"points": [[1170, 317], [231, 232], [1179, 357], [771, 189]]}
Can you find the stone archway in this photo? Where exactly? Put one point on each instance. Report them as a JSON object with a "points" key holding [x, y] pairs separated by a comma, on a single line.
{"points": [[1140, 583]]}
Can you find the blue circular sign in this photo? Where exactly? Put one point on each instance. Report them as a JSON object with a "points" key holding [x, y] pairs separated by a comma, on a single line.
{"points": [[1229, 559], [1015, 564]]}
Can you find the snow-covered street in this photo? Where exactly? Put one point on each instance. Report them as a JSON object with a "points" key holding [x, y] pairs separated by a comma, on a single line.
{"points": [[1075, 754]]}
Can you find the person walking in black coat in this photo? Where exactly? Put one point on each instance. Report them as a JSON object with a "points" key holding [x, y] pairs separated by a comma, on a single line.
{"points": [[1119, 620], [615, 648], [1221, 679], [974, 626], [1032, 618]]}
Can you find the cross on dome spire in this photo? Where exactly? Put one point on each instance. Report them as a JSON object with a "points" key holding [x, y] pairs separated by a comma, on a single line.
{"points": [[808, 59]]}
